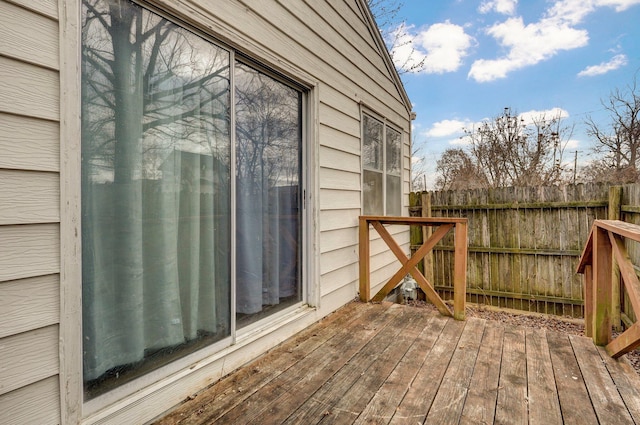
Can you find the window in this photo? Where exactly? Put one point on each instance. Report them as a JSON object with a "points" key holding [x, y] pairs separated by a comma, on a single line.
{"points": [[164, 161], [382, 168]]}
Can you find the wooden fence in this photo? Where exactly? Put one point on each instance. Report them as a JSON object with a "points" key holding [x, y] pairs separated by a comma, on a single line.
{"points": [[524, 243]]}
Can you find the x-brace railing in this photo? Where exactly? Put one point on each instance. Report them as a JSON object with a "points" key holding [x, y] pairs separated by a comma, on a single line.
{"points": [[409, 265]]}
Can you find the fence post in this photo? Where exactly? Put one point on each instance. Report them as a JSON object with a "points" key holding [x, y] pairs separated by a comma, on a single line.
{"points": [[614, 213], [427, 263]]}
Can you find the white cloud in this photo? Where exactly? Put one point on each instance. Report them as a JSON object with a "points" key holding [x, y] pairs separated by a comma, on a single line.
{"points": [[440, 47], [446, 128], [532, 116], [527, 45], [532, 43], [461, 141], [616, 62], [506, 7], [618, 5], [572, 144], [574, 11]]}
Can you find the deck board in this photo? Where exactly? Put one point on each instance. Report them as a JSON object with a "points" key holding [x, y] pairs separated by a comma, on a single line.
{"points": [[603, 392], [480, 404], [384, 403], [346, 383], [392, 364], [286, 392], [512, 406], [544, 406], [575, 403], [449, 402], [416, 403]]}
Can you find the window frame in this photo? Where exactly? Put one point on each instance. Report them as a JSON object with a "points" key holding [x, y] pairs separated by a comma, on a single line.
{"points": [[383, 172]]}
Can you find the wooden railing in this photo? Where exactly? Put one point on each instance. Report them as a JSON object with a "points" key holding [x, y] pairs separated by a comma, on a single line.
{"points": [[409, 264], [604, 246]]}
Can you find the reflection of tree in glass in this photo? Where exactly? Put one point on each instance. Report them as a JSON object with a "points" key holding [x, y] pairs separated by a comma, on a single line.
{"points": [[148, 87], [267, 130], [372, 146]]}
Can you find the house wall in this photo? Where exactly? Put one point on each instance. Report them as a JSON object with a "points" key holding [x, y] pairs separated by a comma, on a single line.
{"points": [[327, 46], [29, 212]]}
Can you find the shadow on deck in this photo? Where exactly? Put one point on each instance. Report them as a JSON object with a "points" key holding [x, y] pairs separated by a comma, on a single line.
{"points": [[387, 363]]}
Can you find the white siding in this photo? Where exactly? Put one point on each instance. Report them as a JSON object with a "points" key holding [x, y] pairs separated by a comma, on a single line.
{"points": [[29, 197], [37, 403], [31, 90], [29, 304], [29, 212], [326, 46], [29, 143], [28, 357], [36, 42]]}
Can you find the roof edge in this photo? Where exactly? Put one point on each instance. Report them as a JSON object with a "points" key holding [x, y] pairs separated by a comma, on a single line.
{"points": [[377, 36]]}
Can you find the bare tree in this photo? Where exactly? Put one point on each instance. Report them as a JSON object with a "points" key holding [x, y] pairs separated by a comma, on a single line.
{"points": [[456, 169], [393, 29], [507, 151], [617, 143]]}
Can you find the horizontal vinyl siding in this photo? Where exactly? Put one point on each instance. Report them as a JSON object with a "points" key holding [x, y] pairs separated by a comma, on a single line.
{"points": [[36, 43], [47, 8], [29, 197], [338, 199], [339, 219], [339, 160], [38, 403], [29, 212], [29, 304], [338, 140], [29, 251], [29, 143], [335, 280], [331, 240], [332, 178], [29, 90], [28, 357]]}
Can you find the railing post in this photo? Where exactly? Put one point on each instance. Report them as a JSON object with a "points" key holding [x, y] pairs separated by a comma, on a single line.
{"points": [[614, 213], [460, 272], [363, 243], [588, 300], [602, 270]]}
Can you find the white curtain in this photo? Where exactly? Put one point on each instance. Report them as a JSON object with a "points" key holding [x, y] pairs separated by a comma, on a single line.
{"points": [[149, 284], [155, 190]]}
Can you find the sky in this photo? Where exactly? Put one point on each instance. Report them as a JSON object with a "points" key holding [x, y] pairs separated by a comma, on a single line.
{"points": [[537, 57]]}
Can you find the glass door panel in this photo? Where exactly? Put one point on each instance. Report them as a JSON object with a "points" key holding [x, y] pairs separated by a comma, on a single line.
{"points": [[155, 193], [268, 197]]}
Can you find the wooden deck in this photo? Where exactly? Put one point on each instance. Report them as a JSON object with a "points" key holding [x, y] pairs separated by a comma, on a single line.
{"points": [[392, 364]]}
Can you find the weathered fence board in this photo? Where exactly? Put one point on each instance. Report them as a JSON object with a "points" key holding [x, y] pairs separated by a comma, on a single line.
{"points": [[524, 243]]}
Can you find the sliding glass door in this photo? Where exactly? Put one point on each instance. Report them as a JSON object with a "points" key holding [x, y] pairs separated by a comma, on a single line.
{"points": [[181, 144]]}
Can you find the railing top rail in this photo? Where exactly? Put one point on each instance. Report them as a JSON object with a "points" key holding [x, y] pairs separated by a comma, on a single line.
{"points": [[434, 221], [628, 230], [622, 228]]}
